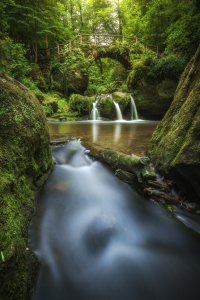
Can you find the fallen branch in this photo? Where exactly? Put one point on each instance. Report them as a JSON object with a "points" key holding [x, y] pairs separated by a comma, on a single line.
{"points": [[140, 166], [158, 184]]}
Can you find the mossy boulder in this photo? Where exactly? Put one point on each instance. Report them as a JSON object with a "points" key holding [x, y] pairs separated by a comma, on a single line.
{"points": [[175, 144], [77, 80], [153, 97], [122, 99], [25, 160], [81, 104], [106, 106], [66, 115], [70, 80]]}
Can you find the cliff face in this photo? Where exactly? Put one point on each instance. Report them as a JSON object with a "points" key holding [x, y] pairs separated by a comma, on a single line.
{"points": [[175, 144], [25, 160]]}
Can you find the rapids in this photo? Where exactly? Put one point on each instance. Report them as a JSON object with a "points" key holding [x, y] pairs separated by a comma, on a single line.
{"points": [[98, 240]]}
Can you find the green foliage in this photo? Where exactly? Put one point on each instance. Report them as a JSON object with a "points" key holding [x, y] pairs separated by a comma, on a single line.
{"points": [[39, 24], [183, 35], [82, 104], [30, 84], [12, 59], [106, 77], [2, 257], [48, 110], [170, 66], [169, 207], [112, 87], [66, 67], [140, 63], [3, 16], [147, 64], [171, 24]]}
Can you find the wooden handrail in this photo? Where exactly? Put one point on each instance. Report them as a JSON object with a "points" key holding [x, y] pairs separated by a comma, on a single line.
{"points": [[95, 41]]}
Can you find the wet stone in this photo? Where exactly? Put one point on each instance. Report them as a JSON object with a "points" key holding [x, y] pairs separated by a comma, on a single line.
{"points": [[59, 141]]}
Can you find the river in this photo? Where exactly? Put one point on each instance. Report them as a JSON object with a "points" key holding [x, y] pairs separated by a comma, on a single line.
{"points": [[96, 238]]}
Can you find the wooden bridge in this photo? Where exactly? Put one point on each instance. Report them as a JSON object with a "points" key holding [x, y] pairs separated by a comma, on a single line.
{"points": [[98, 39]]}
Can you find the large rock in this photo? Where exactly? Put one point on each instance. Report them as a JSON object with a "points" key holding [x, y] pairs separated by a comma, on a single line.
{"points": [[81, 104], [70, 72], [175, 144], [69, 80], [25, 161], [153, 97], [106, 106]]}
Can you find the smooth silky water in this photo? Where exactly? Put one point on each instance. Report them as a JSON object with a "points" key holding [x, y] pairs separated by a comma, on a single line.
{"points": [[97, 239]]}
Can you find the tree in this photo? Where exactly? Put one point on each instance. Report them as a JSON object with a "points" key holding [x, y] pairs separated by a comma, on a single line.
{"points": [[3, 16]]}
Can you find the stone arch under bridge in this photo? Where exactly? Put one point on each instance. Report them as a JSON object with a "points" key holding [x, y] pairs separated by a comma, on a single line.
{"points": [[116, 47]]}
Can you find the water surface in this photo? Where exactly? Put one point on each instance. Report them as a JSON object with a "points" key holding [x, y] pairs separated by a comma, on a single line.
{"points": [[98, 240], [127, 137]]}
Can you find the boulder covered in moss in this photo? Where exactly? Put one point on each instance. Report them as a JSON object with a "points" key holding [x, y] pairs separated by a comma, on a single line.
{"points": [[153, 97], [70, 80], [81, 104], [106, 106], [175, 144], [122, 99], [25, 161], [77, 80]]}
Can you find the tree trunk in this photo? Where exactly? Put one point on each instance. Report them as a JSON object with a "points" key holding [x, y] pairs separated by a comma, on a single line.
{"points": [[140, 166], [36, 42], [46, 45]]}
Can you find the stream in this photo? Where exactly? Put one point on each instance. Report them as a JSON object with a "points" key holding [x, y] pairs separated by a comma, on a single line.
{"points": [[127, 137], [97, 239]]}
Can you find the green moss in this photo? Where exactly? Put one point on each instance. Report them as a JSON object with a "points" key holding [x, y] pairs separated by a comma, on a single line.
{"points": [[107, 104], [25, 159], [122, 99], [175, 145], [82, 104], [69, 72], [112, 87]]}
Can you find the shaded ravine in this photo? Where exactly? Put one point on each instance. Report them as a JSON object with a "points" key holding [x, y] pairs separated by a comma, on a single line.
{"points": [[98, 240]]}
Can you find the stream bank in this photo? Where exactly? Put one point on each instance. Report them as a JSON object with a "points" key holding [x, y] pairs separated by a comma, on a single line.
{"points": [[175, 144]]}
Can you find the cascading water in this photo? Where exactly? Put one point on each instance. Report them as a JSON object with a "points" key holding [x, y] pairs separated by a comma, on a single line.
{"points": [[97, 239], [118, 111], [94, 115], [134, 113]]}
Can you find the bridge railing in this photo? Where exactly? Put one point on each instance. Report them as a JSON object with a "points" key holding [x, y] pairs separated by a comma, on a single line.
{"points": [[97, 39]]}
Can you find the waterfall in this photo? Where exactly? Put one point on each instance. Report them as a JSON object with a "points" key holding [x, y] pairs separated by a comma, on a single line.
{"points": [[134, 113], [94, 115], [118, 111]]}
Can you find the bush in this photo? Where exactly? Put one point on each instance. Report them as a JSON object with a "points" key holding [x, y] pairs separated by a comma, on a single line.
{"points": [[170, 66], [12, 60], [110, 88]]}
